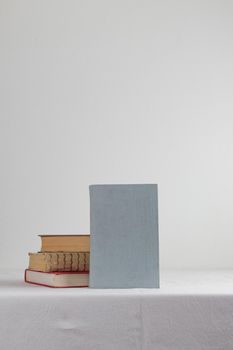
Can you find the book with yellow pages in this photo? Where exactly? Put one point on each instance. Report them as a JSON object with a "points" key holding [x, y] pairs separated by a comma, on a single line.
{"points": [[65, 243], [59, 261]]}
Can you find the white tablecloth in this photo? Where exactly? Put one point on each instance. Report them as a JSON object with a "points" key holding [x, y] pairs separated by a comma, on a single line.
{"points": [[192, 310]]}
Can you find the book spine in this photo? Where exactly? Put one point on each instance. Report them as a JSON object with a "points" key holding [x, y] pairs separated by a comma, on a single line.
{"points": [[76, 262]]}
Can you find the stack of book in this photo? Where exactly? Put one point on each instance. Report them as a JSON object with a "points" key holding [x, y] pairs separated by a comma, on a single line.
{"points": [[63, 261]]}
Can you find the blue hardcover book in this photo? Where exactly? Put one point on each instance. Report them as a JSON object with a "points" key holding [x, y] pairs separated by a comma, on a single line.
{"points": [[124, 236]]}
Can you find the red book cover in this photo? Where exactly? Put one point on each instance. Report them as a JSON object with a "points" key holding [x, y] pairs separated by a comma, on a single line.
{"points": [[52, 279]]}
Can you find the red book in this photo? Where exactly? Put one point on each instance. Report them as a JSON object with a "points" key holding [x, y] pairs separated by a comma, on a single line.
{"points": [[57, 279]]}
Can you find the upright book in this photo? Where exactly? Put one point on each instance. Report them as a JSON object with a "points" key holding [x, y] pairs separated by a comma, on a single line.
{"points": [[124, 236]]}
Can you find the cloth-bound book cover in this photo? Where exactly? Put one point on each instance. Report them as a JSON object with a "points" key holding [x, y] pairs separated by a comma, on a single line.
{"points": [[124, 236]]}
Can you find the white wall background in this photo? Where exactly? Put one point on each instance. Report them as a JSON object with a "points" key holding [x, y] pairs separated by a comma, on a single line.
{"points": [[117, 92]]}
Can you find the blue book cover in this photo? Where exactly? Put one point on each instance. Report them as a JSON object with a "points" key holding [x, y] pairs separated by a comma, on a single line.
{"points": [[124, 236]]}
